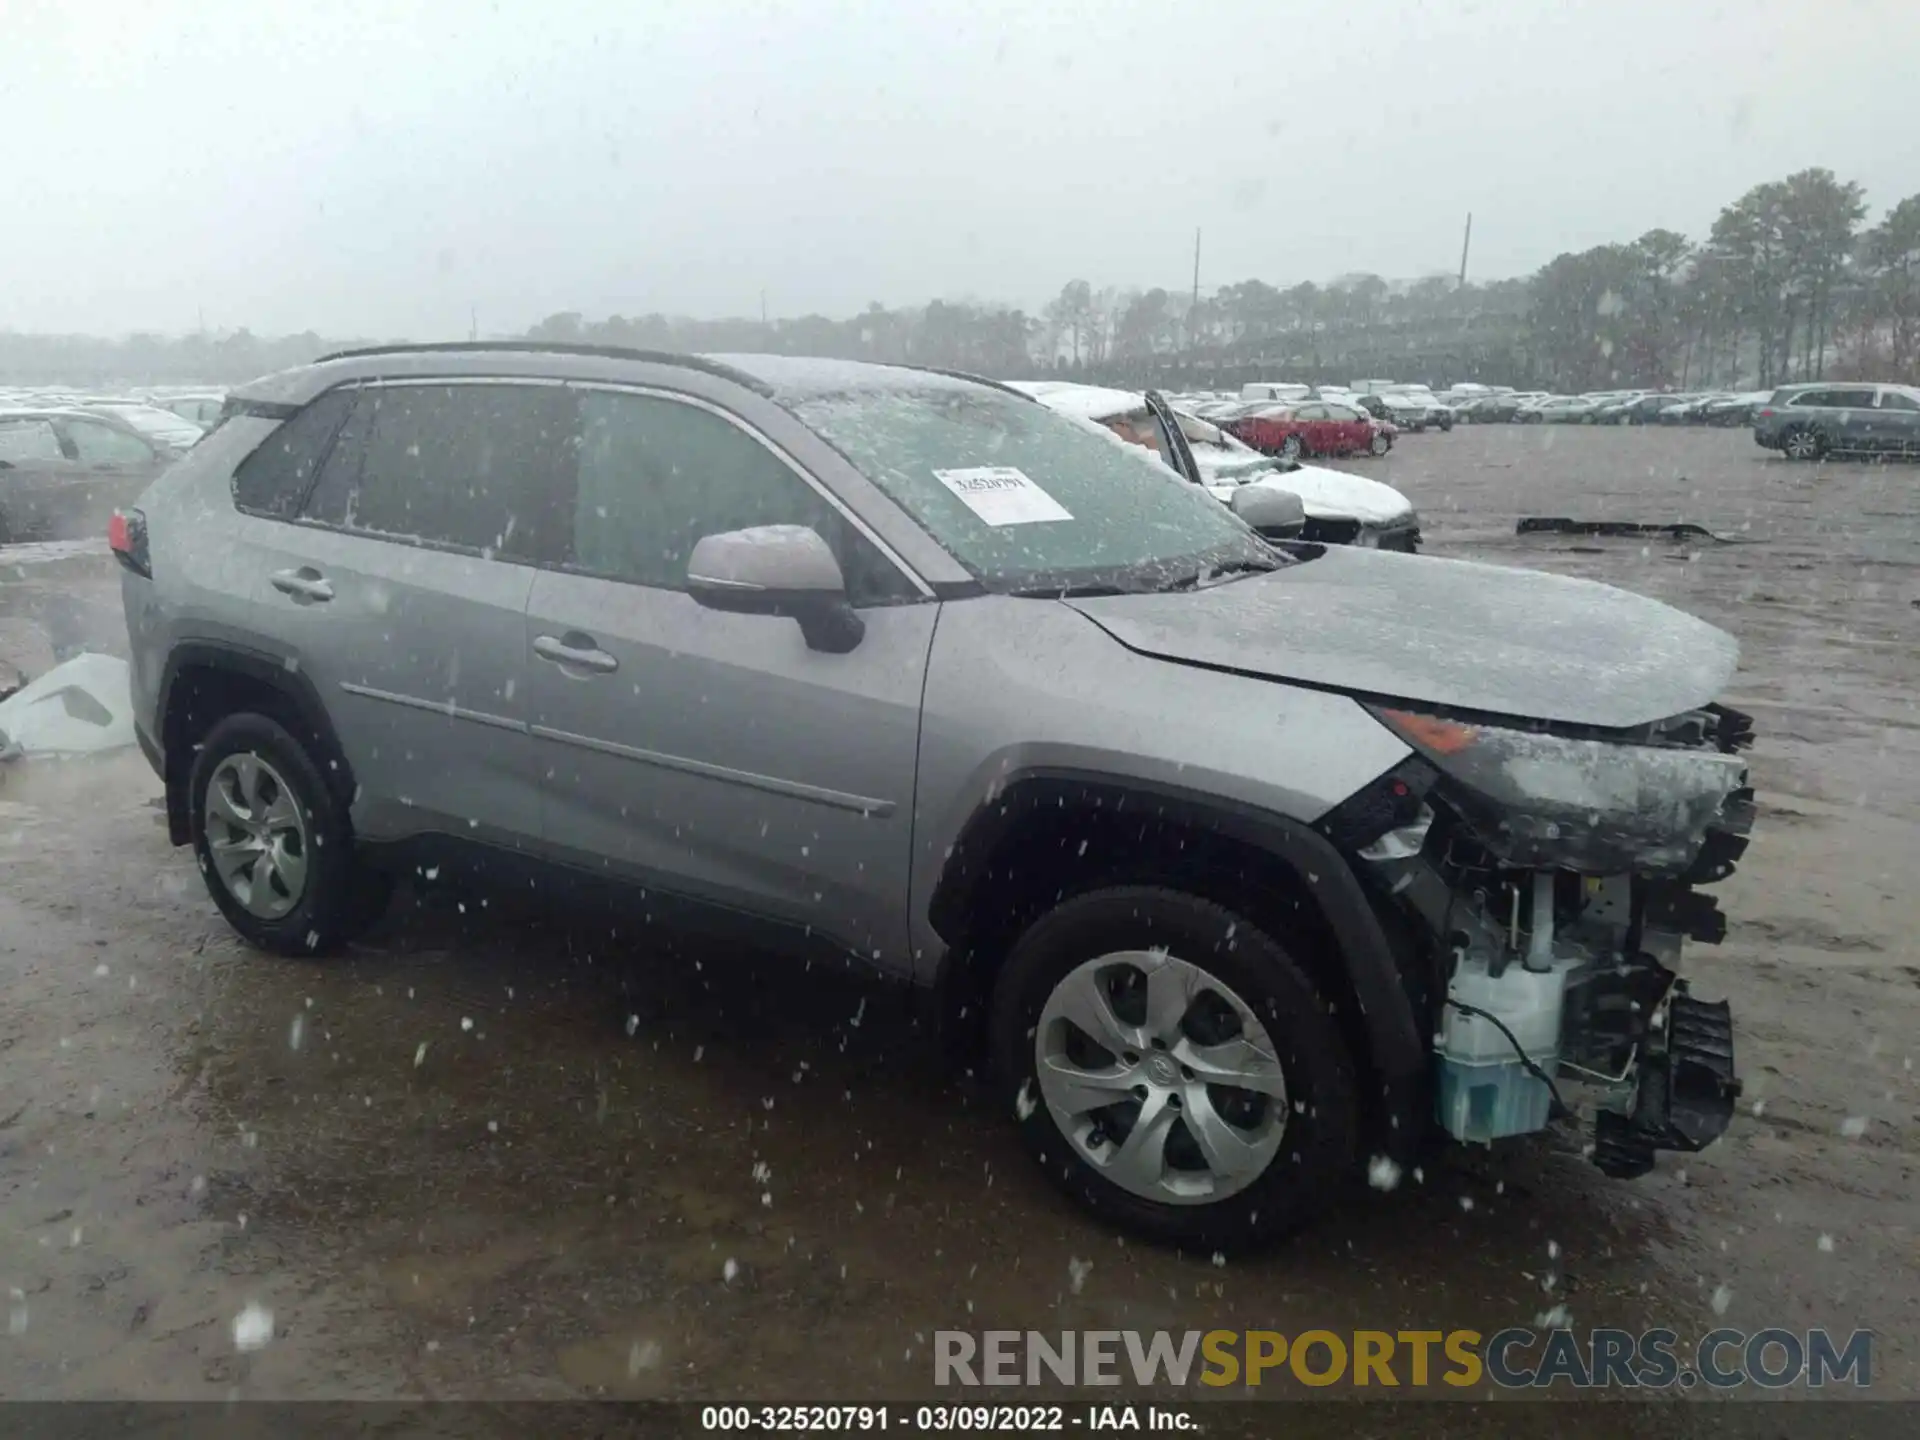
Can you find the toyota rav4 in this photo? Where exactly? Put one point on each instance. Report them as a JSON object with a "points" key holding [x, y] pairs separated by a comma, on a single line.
{"points": [[1245, 866]]}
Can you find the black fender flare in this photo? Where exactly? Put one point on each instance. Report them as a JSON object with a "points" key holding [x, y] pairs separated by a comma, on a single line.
{"points": [[292, 685], [1400, 1052]]}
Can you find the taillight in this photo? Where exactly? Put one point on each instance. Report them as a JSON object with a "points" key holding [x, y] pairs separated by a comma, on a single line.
{"points": [[1766, 414], [127, 537]]}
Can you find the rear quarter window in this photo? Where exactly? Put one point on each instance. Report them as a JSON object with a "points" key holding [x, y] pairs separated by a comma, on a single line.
{"points": [[275, 478]]}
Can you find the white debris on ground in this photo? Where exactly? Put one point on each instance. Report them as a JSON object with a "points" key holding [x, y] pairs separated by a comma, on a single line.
{"points": [[253, 1328], [1854, 1126], [83, 706], [1722, 1297], [1077, 1272]]}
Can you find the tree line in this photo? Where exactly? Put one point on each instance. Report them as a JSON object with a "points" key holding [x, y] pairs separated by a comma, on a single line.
{"points": [[1789, 283], [1786, 285]]}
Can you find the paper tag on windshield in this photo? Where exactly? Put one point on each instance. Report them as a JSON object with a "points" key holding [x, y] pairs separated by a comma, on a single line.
{"points": [[1002, 495]]}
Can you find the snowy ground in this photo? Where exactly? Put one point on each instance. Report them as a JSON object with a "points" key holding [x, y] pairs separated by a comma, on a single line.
{"points": [[548, 1201]]}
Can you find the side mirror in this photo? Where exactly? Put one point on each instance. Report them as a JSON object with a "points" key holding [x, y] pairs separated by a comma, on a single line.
{"points": [[1277, 514], [777, 570]]}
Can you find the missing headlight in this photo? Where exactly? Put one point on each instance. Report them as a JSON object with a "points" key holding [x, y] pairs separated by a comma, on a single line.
{"points": [[1592, 805]]}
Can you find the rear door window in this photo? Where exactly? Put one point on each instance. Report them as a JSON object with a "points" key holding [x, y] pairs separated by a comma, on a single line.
{"points": [[1850, 399], [470, 467], [28, 442], [275, 478], [96, 443]]}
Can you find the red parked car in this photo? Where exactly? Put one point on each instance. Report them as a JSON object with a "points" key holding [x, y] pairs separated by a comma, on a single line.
{"points": [[1311, 427]]}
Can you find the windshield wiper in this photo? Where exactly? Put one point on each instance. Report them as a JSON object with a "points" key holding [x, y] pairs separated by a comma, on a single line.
{"points": [[1073, 592], [1210, 575]]}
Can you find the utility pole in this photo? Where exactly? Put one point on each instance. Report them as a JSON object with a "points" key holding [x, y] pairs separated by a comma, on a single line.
{"points": [[763, 309], [473, 322], [1193, 309], [1464, 245]]}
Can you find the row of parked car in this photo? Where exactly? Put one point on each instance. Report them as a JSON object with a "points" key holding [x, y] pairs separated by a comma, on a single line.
{"points": [[67, 458], [1239, 449], [1611, 407]]}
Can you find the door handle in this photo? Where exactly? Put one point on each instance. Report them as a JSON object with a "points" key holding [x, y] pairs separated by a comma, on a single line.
{"points": [[306, 584], [574, 649]]}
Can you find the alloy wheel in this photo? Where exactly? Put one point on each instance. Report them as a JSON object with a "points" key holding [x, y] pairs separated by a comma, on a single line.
{"points": [[256, 835], [1161, 1077]]}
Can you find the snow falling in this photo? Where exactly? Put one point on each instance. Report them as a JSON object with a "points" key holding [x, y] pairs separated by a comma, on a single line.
{"points": [[252, 1328]]}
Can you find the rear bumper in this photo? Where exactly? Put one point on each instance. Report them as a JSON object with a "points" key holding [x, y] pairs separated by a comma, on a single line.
{"points": [[63, 509], [150, 748]]}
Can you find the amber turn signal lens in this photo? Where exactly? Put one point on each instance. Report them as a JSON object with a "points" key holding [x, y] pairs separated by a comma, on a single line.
{"points": [[1442, 737]]}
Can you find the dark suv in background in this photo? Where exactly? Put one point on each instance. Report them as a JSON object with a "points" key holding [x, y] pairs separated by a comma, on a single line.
{"points": [[1811, 420]]}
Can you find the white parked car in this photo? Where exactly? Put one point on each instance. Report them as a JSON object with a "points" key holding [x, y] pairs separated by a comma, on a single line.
{"points": [[1340, 508]]}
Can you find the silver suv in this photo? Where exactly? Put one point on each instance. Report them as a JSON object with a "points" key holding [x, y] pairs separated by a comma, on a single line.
{"points": [[1244, 866], [1808, 421]]}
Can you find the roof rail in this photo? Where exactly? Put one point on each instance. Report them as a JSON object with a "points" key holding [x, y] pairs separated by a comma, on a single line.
{"points": [[958, 375], [545, 347]]}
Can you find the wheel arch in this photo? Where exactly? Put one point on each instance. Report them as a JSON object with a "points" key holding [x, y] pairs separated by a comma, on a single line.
{"points": [[205, 681], [1045, 835]]}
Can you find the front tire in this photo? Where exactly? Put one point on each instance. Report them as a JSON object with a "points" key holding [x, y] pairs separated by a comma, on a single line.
{"points": [[1379, 444], [274, 845], [1109, 1017]]}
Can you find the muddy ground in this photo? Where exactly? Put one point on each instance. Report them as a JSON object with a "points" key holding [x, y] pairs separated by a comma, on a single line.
{"points": [[489, 1156]]}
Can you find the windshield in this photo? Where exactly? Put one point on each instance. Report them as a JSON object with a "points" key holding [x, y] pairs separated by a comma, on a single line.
{"points": [[1026, 499]]}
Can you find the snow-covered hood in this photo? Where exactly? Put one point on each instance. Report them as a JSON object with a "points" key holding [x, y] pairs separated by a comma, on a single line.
{"points": [[1453, 633], [1324, 494]]}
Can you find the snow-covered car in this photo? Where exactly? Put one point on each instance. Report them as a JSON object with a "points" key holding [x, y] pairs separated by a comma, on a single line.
{"points": [[1341, 509], [163, 427], [1406, 412]]}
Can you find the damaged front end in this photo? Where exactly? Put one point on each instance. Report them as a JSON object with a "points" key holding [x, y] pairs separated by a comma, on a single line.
{"points": [[1554, 874]]}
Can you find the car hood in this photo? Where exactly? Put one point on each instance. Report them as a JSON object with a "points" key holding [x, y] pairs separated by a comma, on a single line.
{"points": [[1324, 494], [1439, 632]]}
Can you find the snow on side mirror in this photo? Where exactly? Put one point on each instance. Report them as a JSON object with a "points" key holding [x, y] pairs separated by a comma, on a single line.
{"points": [[777, 570], [1275, 513]]}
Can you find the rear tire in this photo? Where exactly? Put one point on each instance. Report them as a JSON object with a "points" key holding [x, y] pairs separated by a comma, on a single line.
{"points": [[1272, 1158], [274, 845], [1803, 443]]}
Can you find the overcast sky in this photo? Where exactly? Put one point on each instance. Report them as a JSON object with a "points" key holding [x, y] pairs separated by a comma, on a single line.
{"points": [[378, 168]]}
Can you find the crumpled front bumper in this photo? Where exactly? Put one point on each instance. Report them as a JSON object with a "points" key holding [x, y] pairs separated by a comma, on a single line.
{"points": [[1686, 1093]]}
